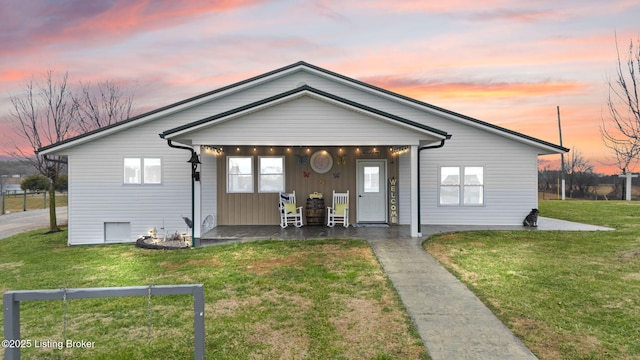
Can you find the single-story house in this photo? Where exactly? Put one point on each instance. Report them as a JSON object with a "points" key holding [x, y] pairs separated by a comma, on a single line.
{"points": [[298, 128]]}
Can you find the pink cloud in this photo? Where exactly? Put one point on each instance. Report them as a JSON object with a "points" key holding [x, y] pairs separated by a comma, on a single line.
{"points": [[85, 22]]}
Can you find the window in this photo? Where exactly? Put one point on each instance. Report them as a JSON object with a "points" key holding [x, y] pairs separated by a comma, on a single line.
{"points": [[142, 171], [371, 179], [473, 185], [449, 185], [469, 187], [240, 174], [271, 174]]}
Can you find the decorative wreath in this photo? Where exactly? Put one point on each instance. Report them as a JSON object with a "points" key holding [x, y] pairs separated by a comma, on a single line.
{"points": [[321, 161]]}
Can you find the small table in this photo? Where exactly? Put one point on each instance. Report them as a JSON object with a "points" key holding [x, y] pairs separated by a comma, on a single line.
{"points": [[316, 211]]}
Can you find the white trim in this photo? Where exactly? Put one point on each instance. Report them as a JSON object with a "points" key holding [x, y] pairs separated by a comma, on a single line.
{"points": [[259, 173], [414, 191], [197, 199], [227, 173]]}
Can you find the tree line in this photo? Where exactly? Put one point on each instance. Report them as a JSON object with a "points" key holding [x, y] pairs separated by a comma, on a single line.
{"points": [[581, 182]]}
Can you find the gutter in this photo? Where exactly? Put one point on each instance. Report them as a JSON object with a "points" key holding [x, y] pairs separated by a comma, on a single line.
{"points": [[193, 222], [46, 158], [419, 205]]}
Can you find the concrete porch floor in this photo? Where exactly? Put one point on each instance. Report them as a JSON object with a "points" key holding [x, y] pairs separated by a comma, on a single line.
{"points": [[240, 233]]}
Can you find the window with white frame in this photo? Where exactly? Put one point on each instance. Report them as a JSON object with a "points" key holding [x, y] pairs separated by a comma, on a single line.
{"points": [[142, 171], [240, 174], [270, 174], [461, 186], [473, 189]]}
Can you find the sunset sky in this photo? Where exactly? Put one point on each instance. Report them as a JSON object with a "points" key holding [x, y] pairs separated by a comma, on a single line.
{"points": [[509, 63]]}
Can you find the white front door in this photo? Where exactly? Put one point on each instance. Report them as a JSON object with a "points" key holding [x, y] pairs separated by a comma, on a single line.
{"points": [[372, 191]]}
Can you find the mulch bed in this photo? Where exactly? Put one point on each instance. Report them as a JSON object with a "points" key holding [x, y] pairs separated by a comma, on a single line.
{"points": [[148, 242]]}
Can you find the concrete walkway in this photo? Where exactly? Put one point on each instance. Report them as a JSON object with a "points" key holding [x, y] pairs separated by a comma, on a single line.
{"points": [[18, 222], [452, 322]]}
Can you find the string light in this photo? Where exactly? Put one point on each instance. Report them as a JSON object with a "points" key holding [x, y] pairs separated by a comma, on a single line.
{"points": [[397, 150]]}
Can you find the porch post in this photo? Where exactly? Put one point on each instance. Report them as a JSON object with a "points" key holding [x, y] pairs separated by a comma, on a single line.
{"points": [[197, 201], [414, 191]]}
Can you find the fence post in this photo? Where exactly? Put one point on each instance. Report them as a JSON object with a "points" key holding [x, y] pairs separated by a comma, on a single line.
{"points": [[11, 310], [3, 207], [44, 203], [24, 200], [198, 323]]}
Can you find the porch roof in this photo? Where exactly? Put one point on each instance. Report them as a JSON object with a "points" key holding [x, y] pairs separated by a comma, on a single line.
{"points": [[181, 132]]}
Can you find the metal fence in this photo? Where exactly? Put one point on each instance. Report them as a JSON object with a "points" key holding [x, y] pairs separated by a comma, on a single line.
{"points": [[11, 307], [23, 197]]}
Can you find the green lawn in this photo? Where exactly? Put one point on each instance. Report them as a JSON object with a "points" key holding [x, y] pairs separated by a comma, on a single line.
{"points": [[15, 203], [274, 299], [567, 295]]}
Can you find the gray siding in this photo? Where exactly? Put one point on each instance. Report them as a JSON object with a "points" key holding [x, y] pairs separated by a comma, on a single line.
{"points": [[510, 185], [97, 194], [305, 121]]}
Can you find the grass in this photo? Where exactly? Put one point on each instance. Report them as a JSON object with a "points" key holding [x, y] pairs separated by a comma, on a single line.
{"points": [[264, 300], [566, 295], [15, 203]]}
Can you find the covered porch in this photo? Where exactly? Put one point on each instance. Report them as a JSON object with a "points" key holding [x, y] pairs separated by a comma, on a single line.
{"points": [[318, 142]]}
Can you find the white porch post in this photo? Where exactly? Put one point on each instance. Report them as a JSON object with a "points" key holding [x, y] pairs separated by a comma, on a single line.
{"points": [[414, 191], [197, 199]]}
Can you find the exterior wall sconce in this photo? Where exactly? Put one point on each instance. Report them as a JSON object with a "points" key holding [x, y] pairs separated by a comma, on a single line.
{"points": [[194, 161]]}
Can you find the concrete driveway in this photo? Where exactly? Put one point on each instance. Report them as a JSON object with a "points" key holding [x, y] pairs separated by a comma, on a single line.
{"points": [[18, 222]]}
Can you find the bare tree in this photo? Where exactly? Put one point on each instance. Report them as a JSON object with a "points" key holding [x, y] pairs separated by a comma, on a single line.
{"points": [[102, 104], [580, 175], [621, 131], [44, 114], [49, 111]]}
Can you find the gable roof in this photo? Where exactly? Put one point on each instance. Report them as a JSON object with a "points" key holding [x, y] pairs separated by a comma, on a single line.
{"points": [[305, 90], [193, 101]]}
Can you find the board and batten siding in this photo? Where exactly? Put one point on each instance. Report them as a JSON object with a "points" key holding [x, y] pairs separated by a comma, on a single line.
{"points": [[262, 208], [209, 185]]}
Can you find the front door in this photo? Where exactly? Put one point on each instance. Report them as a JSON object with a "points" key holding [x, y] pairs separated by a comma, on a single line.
{"points": [[372, 191]]}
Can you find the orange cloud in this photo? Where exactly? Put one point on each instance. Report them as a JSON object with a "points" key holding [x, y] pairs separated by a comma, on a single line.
{"points": [[11, 76], [474, 90]]}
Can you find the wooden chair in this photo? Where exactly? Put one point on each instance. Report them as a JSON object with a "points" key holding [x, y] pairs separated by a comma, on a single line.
{"points": [[339, 211], [290, 213]]}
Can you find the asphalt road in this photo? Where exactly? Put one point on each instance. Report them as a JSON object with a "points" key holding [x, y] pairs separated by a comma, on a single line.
{"points": [[17, 222]]}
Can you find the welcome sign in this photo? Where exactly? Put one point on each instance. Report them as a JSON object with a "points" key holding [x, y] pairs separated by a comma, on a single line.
{"points": [[393, 201]]}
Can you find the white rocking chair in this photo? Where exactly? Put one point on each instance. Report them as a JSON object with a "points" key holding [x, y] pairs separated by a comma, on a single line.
{"points": [[339, 211], [290, 213]]}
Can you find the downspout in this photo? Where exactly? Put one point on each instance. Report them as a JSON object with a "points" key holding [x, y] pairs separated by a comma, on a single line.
{"points": [[418, 168], [193, 212]]}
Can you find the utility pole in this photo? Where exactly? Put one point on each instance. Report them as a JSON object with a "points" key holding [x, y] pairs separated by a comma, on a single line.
{"points": [[562, 153]]}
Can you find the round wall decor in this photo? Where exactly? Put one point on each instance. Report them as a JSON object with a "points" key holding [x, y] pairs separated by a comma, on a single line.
{"points": [[321, 161]]}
